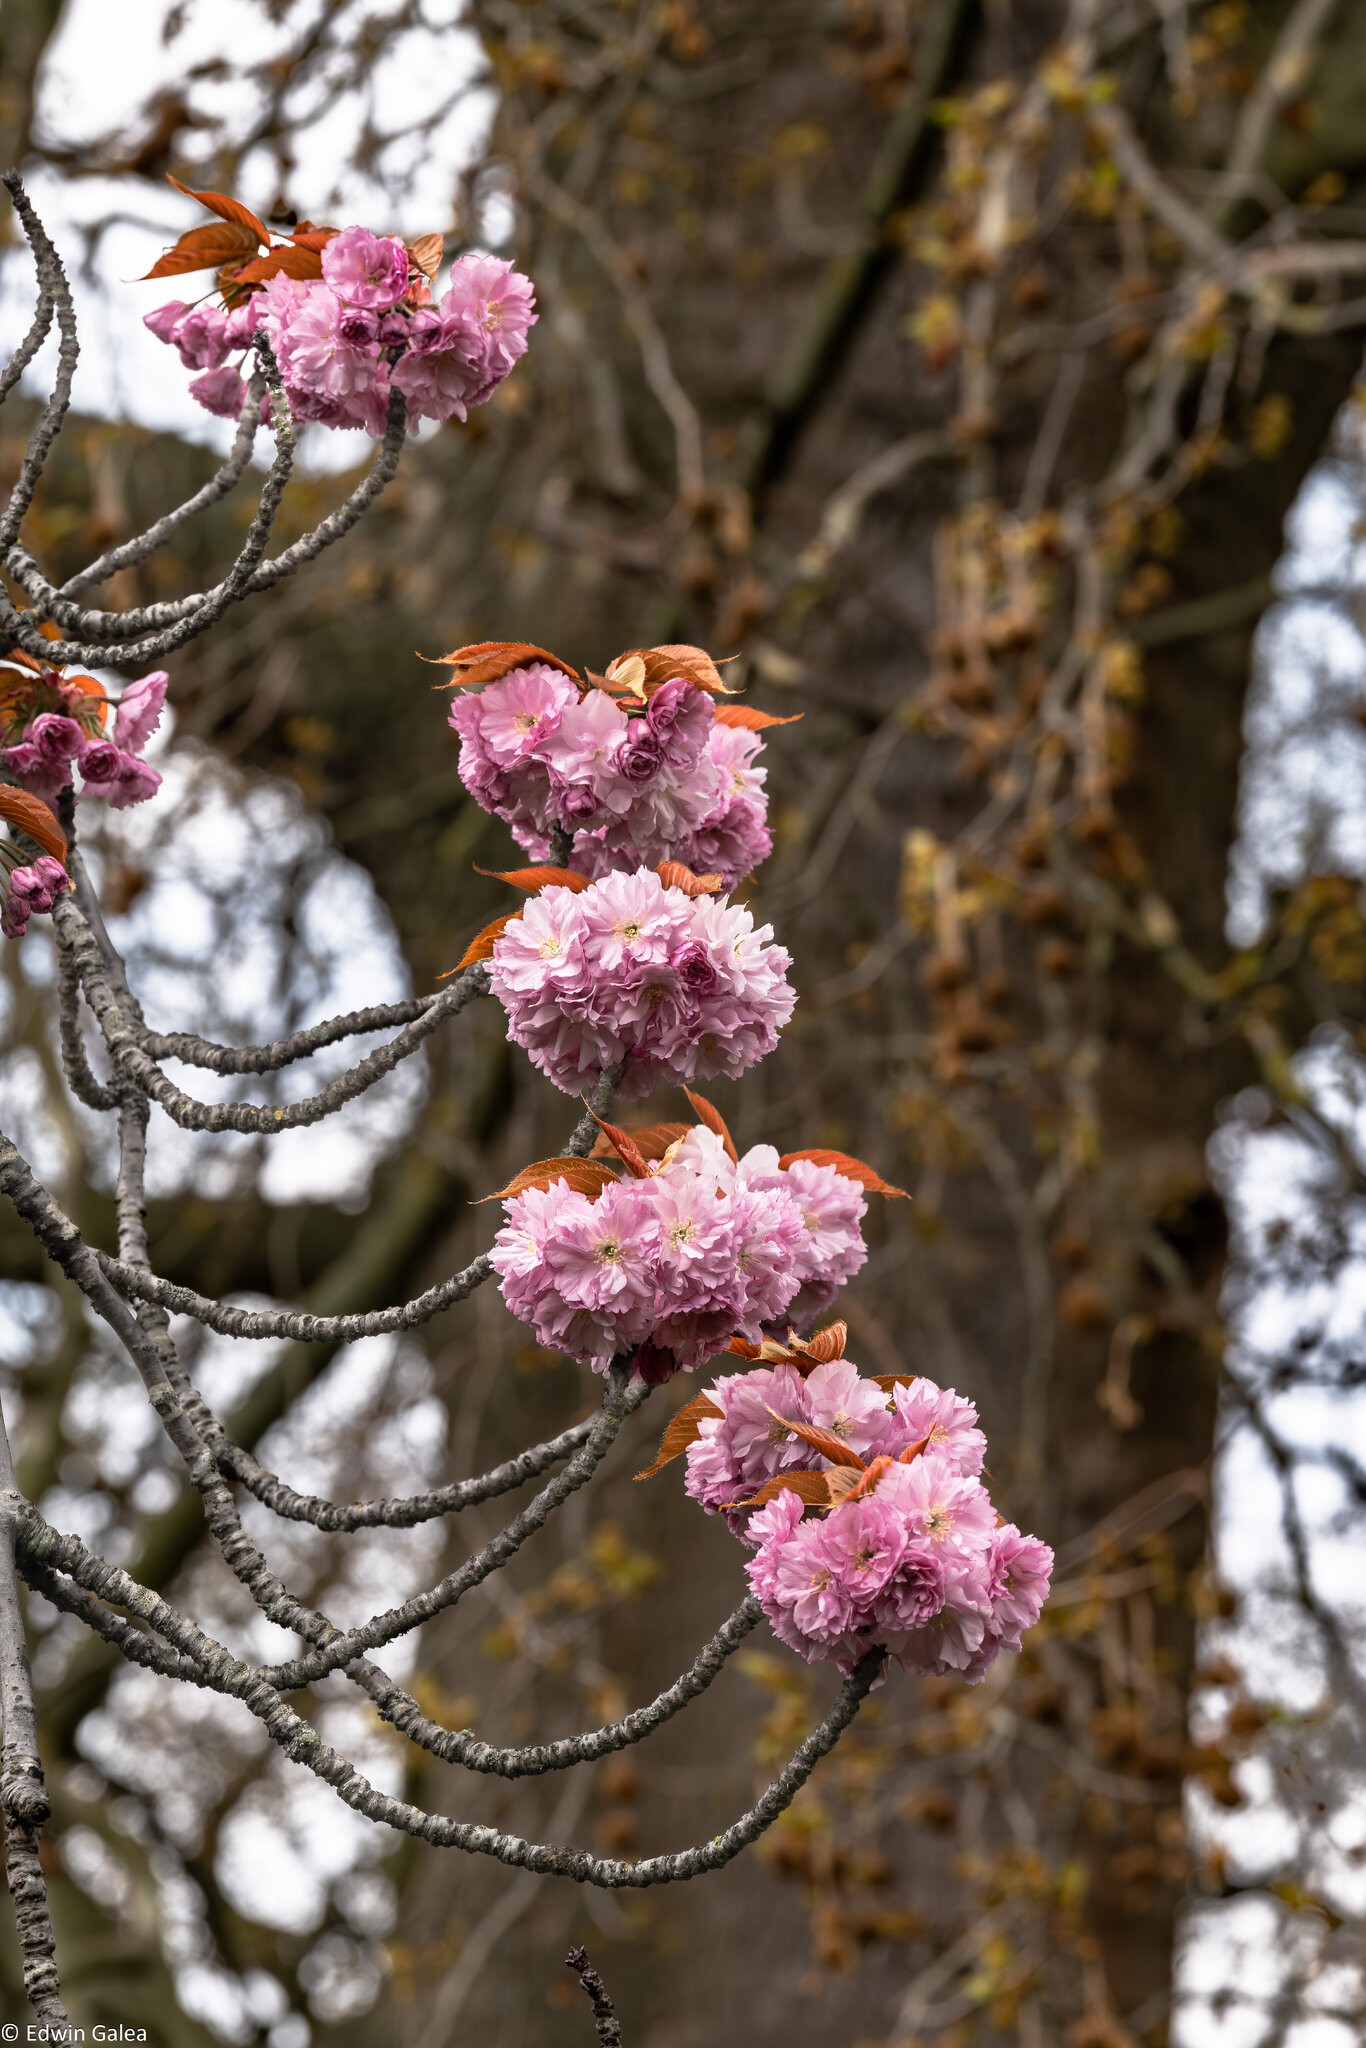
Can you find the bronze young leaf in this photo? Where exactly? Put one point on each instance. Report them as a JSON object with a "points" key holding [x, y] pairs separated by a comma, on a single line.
{"points": [[710, 1116], [685, 1429], [814, 1488], [205, 248], [227, 209], [533, 880], [852, 1169], [585, 1176], [28, 813]]}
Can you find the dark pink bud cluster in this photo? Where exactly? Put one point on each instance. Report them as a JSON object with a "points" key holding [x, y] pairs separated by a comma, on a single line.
{"points": [[30, 890]]}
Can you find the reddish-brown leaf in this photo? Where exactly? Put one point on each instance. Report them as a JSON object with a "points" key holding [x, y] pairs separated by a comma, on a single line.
{"points": [[685, 1429], [625, 1147], [19, 659], [533, 880], [852, 1169], [749, 720], [226, 209], [823, 1440], [826, 1344], [709, 1115], [912, 1451], [28, 813], [305, 236], [482, 944], [662, 664], [427, 252], [865, 1483], [585, 1176], [890, 1381], [485, 661], [652, 1142], [841, 1480], [290, 259], [205, 249], [674, 875], [814, 1488]]}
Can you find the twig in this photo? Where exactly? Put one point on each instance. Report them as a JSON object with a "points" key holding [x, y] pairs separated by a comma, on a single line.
{"points": [[604, 2013]]}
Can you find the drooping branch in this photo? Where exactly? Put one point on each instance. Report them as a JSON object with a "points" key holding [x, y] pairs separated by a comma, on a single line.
{"points": [[129, 552], [54, 295], [301, 1326], [23, 1796], [459, 1746], [121, 1036], [173, 623], [302, 1744]]}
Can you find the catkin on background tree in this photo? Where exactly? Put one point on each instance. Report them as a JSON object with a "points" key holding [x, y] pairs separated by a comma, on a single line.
{"points": [[957, 371]]}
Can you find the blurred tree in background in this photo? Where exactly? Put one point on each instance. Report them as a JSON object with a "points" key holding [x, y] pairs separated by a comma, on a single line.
{"points": [[956, 366]]}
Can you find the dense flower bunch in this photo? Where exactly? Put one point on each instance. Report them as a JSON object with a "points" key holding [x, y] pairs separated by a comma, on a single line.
{"points": [[667, 1265], [631, 779], [52, 724], [363, 326], [829, 1198], [628, 970], [862, 1501]]}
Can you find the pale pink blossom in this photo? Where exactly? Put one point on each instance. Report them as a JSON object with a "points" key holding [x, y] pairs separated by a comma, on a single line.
{"points": [[366, 270], [138, 712], [587, 983], [924, 1410]]}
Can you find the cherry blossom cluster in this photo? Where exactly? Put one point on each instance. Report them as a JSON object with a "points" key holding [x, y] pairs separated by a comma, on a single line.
{"points": [[365, 326], [667, 1266], [53, 724], [907, 1553], [632, 782], [628, 971]]}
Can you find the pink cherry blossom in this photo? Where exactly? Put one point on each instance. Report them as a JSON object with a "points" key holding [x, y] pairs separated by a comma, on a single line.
{"points": [[139, 710], [587, 982], [925, 1410], [632, 788], [50, 744], [366, 270], [220, 392], [344, 339], [499, 305], [915, 1565]]}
